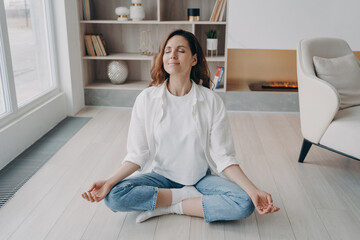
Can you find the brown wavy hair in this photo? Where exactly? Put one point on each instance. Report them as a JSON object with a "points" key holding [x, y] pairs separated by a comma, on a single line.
{"points": [[200, 73]]}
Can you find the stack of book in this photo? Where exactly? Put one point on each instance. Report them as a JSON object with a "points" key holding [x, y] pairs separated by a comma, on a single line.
{"points": [[219, 77], [218, 11], [88, 9], [95, 45]]}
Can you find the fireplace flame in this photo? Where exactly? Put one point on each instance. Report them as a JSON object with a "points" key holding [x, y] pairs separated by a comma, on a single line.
{"points": [[280, 84]]}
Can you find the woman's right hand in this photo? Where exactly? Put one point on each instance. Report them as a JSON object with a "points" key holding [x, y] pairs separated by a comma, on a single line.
{"points": [[100, 189], [97, 192]]}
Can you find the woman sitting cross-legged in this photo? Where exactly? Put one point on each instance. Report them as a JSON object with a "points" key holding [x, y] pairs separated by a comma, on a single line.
{"points": [[180, 136]]}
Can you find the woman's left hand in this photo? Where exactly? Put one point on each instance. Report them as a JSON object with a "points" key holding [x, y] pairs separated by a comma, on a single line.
{"points": [[263, 202]]}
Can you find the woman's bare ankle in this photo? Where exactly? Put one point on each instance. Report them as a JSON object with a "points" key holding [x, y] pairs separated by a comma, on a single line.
{"points": [[193, 207], [164, 198]]}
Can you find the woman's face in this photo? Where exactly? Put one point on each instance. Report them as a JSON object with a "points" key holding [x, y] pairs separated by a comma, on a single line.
{"points": [[177, 58]]}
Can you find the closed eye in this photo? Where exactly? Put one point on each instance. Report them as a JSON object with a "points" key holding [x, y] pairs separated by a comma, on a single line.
{"points": [[168, 50]]}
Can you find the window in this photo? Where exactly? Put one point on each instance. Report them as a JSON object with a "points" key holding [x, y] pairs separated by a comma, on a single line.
{"points": [[2, 93], [26, 54], [3, 83], [30, 99], [28, 39]]}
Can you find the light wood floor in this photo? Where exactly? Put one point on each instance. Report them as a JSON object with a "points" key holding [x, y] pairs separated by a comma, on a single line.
{"points": [[319, 199]]}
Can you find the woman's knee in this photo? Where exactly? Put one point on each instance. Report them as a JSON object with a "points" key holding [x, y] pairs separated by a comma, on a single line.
{"points": [[243, 206], [115, 198], [228, 207], [249, 208]]}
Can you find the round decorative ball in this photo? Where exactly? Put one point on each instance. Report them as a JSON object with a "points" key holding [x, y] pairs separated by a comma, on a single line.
{"points": [[117, 71]]}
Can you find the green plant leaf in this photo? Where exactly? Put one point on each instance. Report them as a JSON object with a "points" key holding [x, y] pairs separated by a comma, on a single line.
{"points": [[212, 33]]}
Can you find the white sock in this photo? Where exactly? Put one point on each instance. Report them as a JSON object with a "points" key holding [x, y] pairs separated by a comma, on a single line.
{"points": [[176, 208], [179, 194]]}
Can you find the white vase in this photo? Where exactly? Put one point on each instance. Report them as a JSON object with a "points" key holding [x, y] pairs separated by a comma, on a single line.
{"points": [[137, 12], [123, 13], [211, 43], [117, 71]]}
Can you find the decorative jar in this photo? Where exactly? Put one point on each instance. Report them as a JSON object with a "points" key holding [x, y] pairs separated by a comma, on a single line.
{"points": [[122, 12], [137, 12]]}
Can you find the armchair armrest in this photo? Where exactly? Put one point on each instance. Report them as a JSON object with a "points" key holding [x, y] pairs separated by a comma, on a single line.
{"points": [[319, 102]]}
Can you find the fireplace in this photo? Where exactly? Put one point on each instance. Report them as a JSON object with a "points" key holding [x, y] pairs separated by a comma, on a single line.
{"points": [[253, 69], [274, 85], [261, 80]]}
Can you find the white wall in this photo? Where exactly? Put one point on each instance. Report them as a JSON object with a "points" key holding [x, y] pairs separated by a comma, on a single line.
{"points": [[66, 23], [280, 24]]}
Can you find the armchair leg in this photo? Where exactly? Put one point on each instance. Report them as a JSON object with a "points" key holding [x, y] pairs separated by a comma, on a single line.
{"points": [[304, 150]]}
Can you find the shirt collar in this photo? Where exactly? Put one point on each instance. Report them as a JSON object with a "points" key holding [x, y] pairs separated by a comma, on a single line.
{"points": [[159, 92]]}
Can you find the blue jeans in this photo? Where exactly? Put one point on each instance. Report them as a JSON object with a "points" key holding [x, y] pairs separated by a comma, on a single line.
{"points": [[222, 199]]}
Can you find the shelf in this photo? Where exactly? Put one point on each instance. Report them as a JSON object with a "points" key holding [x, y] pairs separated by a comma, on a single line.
{"points": [[118, 22], [151, 22], [128, 85], [216, 59], [219, 90], [120, 56], [192, 23], [137, 56]]}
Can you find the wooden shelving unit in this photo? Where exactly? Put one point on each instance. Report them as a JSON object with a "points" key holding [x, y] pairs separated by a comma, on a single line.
{"points": [[123, 38]]}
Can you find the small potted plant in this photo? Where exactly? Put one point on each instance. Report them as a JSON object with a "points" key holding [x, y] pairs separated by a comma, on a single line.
{"points": [[211, 41]]}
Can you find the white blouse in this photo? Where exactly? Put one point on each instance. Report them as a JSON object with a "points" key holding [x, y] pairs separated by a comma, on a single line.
{"points": [[211, 121]]}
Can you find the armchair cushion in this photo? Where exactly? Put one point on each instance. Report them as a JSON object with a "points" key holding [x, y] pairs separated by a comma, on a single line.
{"points": [[343, 134], [344, 74]]}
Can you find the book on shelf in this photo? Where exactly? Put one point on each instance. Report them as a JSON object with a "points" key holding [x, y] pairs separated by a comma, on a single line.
{"points": [[219, 76], [103, 46], [216, 6], [222, 11], [212, 13], [89, 45], [88, 9], [95, 45], [218, 11], [83, 10]]}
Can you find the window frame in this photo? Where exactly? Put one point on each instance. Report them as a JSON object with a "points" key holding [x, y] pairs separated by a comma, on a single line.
{"points": [[15, 111]]}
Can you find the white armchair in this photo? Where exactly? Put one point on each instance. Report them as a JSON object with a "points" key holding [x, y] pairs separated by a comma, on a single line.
{"points": [[323, 120]]}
